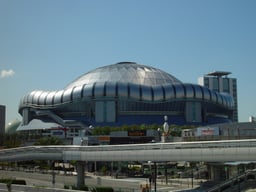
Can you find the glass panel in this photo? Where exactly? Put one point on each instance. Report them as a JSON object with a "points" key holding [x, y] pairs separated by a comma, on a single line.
{"points": [[110, 89], [224, 98], [76, 94], [213, 96], [215, 85], [87, 90], [225, 85], [158, 93], [146, 93], [110, 111], [198, 91], [134, 91], [99, 110], [36, 97], [42, 98], [58, 97], [189, 91], [206, 93], [206, 82], [49, 98], [67, 95], [220, 101], [169, 92], [99, 89], [179, 91], [129, 72], [30, 97], [193, 112], [122, 90]]}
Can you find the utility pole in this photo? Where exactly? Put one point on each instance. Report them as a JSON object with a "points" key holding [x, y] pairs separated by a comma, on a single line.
{"points": [[155, 175]]}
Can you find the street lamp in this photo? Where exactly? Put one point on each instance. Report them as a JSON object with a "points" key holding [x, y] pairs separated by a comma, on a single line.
{"points": [[88, 130], [155, 175], [159, 134]]}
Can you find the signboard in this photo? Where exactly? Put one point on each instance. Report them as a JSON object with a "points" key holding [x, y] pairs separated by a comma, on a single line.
{"points": [[137, 133], [57, 133], [204, 131]]}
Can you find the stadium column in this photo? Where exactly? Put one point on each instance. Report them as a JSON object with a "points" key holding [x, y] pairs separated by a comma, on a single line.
{"points": [[80, 166]]}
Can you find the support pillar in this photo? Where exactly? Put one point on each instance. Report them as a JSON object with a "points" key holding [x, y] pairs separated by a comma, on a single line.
{"points": [[80, 167], [155, 174], [217, 172]]}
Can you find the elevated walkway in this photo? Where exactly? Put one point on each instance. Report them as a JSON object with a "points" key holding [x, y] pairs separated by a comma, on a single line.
{"points": [[203, 151]]}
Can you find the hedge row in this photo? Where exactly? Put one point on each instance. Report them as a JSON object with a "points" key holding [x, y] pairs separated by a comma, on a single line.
{"points": [[13, 181], [92, 189]]}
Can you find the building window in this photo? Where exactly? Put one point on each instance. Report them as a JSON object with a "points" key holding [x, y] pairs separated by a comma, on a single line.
{"points": [[226, 85], [215, 84], [105, 111], [206, 82]]}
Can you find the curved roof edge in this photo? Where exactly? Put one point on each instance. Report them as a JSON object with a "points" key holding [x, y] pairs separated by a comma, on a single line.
{"points": [[164, 93]]}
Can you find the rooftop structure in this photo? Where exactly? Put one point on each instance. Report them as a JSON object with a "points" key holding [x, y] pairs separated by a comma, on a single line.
{"points": [[218, 73]]}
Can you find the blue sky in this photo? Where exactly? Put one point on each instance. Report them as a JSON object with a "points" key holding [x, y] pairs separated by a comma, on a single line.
{"points": [[46, 44]]}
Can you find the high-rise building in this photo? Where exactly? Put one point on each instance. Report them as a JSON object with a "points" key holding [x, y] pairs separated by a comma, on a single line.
{"points": [[220, 82], [2, 123]]}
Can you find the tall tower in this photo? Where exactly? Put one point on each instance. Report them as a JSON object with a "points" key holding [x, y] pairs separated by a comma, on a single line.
{"points": [[220, 82], [2, 123]]}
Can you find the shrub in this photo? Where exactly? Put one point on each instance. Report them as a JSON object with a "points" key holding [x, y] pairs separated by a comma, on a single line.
{"points": [[92, 189], [13, 181], [103, 189], [73, 187]]}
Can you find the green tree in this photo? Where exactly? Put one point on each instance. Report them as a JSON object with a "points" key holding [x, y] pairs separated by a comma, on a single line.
{"points": [[48, 141], [12, 140], [175, 130]]}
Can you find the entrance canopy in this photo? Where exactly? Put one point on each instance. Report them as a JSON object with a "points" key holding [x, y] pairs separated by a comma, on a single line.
{"points": [[37, 124]]}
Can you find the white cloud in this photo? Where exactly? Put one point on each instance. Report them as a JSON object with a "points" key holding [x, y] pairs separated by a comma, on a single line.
{"points": [[6, 73]]}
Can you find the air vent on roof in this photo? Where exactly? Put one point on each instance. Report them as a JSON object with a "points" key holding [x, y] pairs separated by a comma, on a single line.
{"points": [[126, 62]]}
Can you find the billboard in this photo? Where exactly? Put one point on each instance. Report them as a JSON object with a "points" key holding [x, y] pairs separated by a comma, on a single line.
{"points": [[205, 131]]}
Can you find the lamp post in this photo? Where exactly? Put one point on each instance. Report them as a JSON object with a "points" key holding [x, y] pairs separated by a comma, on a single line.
{"points": [[155, 175], [150, 174], [192, 178], [159, 134]]}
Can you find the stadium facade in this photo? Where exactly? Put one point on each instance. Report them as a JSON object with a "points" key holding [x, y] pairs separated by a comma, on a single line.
{"points": [[126, 93]]}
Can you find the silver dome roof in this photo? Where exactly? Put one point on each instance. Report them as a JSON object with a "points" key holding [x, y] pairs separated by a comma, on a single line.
{"points": [[126, 72], [125, 80]]}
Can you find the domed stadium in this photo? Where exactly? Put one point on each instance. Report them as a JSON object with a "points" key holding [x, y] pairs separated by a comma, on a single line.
{"points": [[127, 93]]}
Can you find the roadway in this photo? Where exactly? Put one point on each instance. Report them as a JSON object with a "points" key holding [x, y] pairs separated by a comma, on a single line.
{"points": [[43, 182]]}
